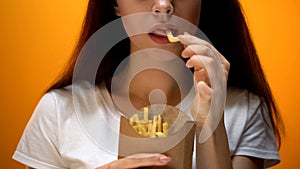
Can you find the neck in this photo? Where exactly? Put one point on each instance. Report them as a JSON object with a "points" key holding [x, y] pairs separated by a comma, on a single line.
{"points": [[149, 77], [153, 86]]}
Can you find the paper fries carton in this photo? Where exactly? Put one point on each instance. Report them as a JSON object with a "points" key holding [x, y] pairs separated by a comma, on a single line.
{"points": [[178, 144]]}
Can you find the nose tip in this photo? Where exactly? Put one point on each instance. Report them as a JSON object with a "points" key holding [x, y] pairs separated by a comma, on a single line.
{"points": [[163, 6]]}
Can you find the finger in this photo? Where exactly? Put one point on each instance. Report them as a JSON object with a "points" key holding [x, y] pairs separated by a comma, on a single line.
{"points": [[200, 73], [205, 94], [128, 163], [188, 39], [195, 62], [157, 160], [198, 49], [194, 44], [187, 52], [201, 103]]}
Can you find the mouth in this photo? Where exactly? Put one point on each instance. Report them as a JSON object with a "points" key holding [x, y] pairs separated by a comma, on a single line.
{"points": [[158, 34]]}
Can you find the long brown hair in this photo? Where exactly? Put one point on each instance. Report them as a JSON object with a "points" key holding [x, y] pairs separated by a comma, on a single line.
{"points": [[221, 20]]}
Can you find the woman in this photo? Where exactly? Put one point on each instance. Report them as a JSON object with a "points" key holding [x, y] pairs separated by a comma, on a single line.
{"points": [[54, 138]]}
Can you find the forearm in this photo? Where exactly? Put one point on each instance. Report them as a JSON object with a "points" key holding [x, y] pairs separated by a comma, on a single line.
{"points": [[214, 153]]}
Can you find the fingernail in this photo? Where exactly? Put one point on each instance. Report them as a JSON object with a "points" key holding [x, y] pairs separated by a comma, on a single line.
{"points": [[164, 159]]}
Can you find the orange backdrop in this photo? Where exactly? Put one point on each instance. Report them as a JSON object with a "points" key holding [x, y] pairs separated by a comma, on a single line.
{"points": [[36, 37]]}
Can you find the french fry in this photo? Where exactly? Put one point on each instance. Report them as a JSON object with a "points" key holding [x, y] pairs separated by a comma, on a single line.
{"points": [[143, 130], [132, 121], [160, 134], [165, 128], [135, 128], [159, 123], [170, 36], [136, 118], [149, 128], [154, 125], [146, 111]]}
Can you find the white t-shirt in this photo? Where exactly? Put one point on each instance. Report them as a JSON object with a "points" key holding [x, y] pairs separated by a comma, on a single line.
{"points": [[82, 132]]}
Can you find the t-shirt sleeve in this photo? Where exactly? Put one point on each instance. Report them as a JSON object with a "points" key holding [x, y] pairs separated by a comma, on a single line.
{"points": [[258, 138], [38, 147]]}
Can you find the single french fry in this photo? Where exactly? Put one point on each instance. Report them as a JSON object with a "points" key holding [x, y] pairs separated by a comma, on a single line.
{"points": [[154, 125], [160, 134], [159, 124], [147, 134], [170, 36], [146, 113], [150, 126], [155, 121], [135, 128], [165, 128], [152, 135], [136, 118], [143, 130], [132, 121]]}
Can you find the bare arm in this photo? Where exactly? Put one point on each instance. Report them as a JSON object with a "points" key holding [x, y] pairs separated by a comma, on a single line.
{"points": [[246, 162], [214, 153], [131, 162]]}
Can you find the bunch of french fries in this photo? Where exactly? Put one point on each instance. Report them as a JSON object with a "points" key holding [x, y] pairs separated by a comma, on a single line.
{"points": [[149, 128]]}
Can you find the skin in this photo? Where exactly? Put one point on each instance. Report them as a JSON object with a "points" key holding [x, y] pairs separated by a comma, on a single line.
{"points": [[193, 47], [139, 42], [214, 153]]}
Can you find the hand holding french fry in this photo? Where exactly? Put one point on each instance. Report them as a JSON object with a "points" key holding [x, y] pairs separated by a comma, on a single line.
{"points": [[202, 56]]}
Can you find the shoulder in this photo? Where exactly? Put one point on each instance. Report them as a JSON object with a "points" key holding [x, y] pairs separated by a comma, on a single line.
{"points": [[236, 115], [79, 92], [240, 98], [241, 108], [243, 105], [52, 136], [66, 93], [248, 127]]}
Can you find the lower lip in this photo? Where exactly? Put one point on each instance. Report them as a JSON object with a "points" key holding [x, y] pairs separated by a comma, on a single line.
{"points": [[159, 39]]}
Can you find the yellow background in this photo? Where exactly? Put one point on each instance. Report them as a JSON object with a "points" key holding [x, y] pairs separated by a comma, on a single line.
{"points": [[37, 36]]}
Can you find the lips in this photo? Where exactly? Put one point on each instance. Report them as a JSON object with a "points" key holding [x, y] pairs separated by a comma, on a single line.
{"points": [[158, 38], [158, 33]]}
